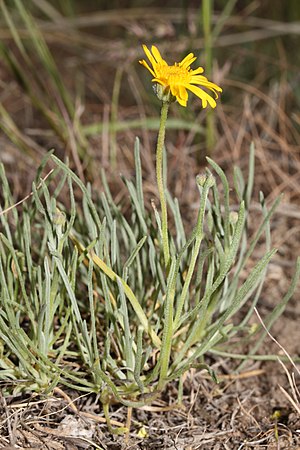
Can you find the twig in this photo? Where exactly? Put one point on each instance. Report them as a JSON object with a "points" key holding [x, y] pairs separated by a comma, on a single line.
{"points": [[93, 417], [27, 196], [276, 342]]}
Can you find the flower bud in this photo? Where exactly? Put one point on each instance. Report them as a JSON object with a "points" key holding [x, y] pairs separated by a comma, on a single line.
{"points": [[233, 217], [201, 179], [59, 217]]}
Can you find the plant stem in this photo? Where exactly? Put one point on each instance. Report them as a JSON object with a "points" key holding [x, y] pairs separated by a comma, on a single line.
{"points": [[161, 182]]}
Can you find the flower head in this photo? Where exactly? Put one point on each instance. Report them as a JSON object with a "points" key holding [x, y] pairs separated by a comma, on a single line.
{"points": [[175, 80]]}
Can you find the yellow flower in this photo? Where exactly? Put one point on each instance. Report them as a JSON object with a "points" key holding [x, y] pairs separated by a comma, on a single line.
{"points": [[178, 78]]}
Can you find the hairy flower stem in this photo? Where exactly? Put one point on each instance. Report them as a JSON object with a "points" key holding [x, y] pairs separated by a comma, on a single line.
{"points": [[161, 183]]}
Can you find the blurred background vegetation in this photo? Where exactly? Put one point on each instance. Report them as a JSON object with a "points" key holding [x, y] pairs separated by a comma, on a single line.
{"points": [[70, 80]]}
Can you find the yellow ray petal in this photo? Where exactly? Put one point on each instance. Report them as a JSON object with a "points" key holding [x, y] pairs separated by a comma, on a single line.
{"points": [[204, 96], [198, 70], [149, 56], [183, 93], [187, 61], [157, 55], [145, 64]]}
